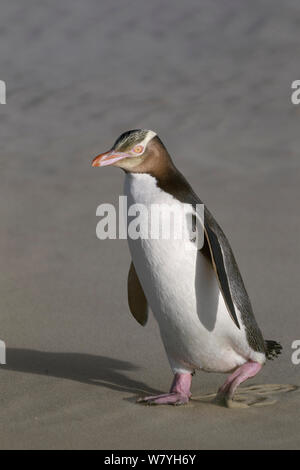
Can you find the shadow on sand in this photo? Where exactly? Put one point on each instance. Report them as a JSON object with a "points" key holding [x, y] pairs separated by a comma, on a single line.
{"points": [[85, 368]]}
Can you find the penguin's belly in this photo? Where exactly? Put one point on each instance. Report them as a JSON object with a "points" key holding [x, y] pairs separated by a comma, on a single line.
{"points": [[184, 296]]}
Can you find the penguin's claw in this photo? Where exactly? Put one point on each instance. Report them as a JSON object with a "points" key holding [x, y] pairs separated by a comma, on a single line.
{"points": [[226, 392], [178, 395], [165, 399]]}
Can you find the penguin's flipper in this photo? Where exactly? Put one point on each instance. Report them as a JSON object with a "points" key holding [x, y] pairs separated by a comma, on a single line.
{"points": [[214, 237], [136, 298]]}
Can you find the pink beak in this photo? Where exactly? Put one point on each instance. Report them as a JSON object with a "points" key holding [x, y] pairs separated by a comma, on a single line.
{"points": [[108, 158]]}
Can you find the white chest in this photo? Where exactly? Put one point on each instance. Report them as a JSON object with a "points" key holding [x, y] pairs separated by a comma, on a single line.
{"points": [[164, 256]]}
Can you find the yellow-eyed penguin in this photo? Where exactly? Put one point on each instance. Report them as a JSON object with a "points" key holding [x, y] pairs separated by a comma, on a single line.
{"points": [[196, 295]]}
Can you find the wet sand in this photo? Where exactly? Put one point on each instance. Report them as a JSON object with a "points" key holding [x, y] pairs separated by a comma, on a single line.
{"points": [[214, 80]]}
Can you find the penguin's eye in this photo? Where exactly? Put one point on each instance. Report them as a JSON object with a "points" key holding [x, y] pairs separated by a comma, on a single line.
{"points": [[138, 149]]}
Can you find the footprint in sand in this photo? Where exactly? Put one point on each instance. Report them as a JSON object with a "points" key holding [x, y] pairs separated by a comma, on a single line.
{"points": [[255, 395]]}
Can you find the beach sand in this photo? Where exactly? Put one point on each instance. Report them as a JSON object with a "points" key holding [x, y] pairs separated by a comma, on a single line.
{"points": [[214, 80]]}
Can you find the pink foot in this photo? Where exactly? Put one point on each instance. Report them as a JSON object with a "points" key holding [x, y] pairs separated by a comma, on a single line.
{"points": [[179, 393], [226, 392]]}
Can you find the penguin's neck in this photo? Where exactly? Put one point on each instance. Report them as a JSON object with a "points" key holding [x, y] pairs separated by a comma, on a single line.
{"points": [[168, 179], [141, 188]]}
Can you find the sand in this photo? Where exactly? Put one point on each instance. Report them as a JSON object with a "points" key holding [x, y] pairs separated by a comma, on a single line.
{"points": [[213, 78]]}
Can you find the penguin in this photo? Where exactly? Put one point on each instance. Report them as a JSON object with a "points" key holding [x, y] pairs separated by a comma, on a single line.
{"points": [[196, 295]]}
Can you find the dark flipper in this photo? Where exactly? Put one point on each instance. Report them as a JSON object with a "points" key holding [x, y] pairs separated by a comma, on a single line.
{"points": [[136, 298], [219, 267], [231, 282]]}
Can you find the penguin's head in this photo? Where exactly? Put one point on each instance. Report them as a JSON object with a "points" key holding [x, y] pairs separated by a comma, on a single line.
{"points": [[134, 151]]}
